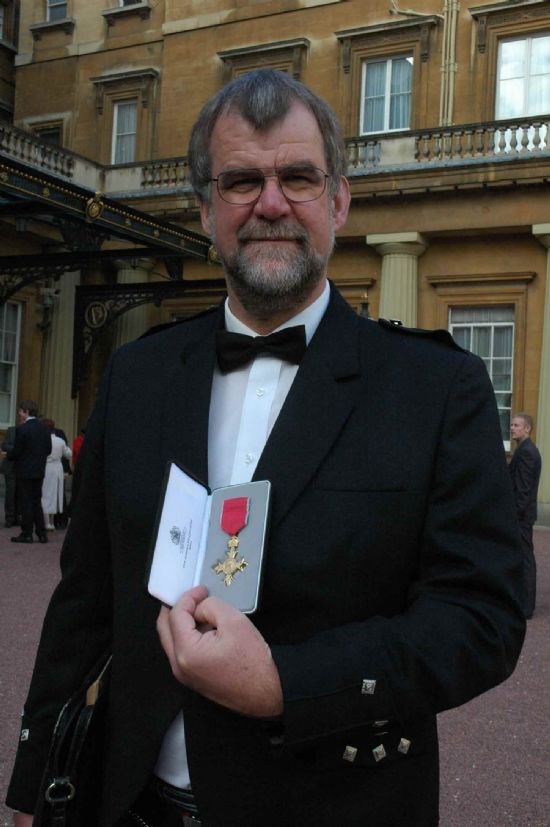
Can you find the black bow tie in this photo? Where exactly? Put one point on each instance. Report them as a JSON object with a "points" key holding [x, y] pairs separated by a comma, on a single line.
{"points": [[235, 349]]}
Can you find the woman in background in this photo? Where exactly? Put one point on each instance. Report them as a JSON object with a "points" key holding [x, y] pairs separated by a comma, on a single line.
{"points": [[52, 487]]}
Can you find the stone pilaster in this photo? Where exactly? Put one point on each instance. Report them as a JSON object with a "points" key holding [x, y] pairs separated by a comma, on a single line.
{"points": [[55, 393], [542, 233], [399, 278], [133, 323]]}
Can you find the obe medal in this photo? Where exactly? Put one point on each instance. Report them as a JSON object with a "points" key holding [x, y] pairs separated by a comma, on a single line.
{"points": [[234, 517]]}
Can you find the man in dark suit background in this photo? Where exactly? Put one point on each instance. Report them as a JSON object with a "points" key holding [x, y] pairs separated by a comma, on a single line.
{"points": [[391, 573], [7, 469], [525, 467], [29, 453]]}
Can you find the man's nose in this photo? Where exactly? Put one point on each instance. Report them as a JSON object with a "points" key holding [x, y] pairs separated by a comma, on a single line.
{"points": [[272, 202]]}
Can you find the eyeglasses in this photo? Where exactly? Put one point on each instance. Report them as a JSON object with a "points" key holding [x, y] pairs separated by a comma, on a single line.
{"points": [[298, 184]]}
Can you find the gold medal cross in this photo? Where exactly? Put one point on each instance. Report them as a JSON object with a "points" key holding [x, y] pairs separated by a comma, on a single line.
{"points": [[230, 565]]}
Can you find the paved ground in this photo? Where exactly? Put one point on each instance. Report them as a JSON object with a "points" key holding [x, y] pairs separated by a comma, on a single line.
{"points": [[495, 750]]}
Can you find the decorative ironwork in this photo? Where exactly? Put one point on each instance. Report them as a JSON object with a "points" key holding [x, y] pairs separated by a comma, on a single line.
{"points": [[18, 271], [99, 305]]}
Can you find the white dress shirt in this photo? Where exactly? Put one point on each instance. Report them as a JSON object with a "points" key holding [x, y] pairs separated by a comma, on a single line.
{"points": [[244, 406]]}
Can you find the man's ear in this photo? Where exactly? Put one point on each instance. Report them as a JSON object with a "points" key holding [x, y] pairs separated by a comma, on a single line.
{"points": [[206, 217], [340, 202]]}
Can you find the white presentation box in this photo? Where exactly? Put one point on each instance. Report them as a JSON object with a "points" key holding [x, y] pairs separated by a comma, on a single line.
{"points": [[191, 547]]}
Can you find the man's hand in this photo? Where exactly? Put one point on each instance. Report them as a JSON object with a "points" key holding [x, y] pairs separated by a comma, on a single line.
{"points": [[22, 820], [215, 650]]}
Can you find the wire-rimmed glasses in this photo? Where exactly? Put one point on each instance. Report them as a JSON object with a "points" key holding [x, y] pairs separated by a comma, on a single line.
{"points": [[298, 183]]}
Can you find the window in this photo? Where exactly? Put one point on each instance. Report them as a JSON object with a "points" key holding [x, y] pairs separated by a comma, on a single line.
{"points": [[386, 94], [523, 84], [10, 324], [50, 134], [57, 9], [489, 332], [124, 132]]}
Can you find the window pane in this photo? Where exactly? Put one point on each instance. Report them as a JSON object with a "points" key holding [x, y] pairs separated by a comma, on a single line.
{"points": [[400, 93], [461, 335], [125, 132], [539, 95], [502, 374], [481, 341], [5, 378], [57, 11], [497, 313], [504, 417], [502, 345], [540, 55], [510, 100], [5, 402], [375, 83], [512, 59]]}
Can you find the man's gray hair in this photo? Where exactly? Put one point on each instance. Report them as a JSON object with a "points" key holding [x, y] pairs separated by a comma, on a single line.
{"points": [[263, 97]]}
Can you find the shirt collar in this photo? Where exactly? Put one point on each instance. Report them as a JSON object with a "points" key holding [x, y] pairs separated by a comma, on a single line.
{"points": [[310, 317]]}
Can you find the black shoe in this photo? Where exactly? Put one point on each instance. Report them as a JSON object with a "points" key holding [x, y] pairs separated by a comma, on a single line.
{"points": [[42, 537], [22, 538]]}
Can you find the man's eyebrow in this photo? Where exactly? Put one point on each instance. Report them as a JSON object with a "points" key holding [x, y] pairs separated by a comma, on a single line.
{"points": [[305, 164]]}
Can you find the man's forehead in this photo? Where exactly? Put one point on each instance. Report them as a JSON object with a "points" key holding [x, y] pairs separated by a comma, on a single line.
{"points": [[233, 132]]}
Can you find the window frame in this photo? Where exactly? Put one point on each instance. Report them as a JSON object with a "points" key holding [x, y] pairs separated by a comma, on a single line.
{"points": [[386, 128], [391, 39], [492, 326], [53, 4], [111, 88], [486, 290], [527, 38], [115, 135], [493, 25], [15, 364]]}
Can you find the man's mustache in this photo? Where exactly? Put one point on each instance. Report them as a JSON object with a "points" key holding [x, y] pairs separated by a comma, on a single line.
{"points": [[283, 230]]}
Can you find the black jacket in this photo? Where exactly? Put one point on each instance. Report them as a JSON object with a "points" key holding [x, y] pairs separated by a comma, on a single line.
{"points": [[390, 577], [525, 467], [33, 444]]}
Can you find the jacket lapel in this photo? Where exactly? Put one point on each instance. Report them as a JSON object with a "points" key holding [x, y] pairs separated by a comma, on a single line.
{"points": [[186, 403], [318, 404]]}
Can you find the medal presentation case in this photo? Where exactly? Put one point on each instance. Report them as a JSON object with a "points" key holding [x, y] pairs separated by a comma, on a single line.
{"points": [[212, 538]]}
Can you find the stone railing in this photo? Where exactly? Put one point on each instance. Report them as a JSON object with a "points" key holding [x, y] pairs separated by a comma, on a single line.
{"points": [[486, 141], [169, 172], [368, 155], [28, 148]]}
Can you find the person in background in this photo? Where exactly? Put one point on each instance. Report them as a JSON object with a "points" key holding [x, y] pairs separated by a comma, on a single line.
{"points": [[7, 468], [525, 467], [53, 485], [31, 448], [78, 442]]}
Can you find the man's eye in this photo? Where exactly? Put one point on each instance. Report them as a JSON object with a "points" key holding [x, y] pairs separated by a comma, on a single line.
{"points": [[241, 183], [299, 177]]}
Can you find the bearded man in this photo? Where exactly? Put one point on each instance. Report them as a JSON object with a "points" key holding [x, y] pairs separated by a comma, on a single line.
{"points": [[390, 576]]}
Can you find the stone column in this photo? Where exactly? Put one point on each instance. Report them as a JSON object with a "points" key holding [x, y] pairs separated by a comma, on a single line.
{"points": [[399, 280], [55, 394], [133, 323], [542, 233]]}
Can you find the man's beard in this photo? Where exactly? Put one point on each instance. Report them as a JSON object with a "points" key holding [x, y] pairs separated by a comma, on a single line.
{"points": [[274, 280]]}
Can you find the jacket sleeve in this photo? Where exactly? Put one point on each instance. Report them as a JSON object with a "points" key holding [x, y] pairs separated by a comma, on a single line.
{"points": [[524, 476], [77, 626], [461, 630]]}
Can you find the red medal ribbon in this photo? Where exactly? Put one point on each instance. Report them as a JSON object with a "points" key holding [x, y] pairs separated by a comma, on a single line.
{"points": [[234, 515]]}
